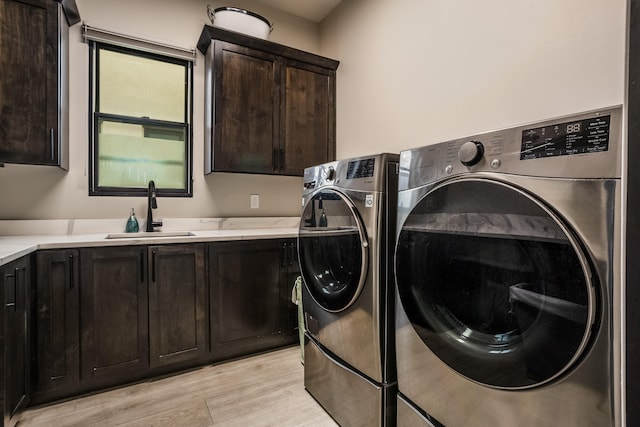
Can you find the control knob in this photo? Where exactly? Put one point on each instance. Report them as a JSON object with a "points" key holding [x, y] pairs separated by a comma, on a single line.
{"points": [[328, 173], [470, 153]]}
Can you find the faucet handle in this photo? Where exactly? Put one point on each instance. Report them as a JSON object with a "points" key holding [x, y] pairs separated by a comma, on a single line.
{"points": [[157, 223]]}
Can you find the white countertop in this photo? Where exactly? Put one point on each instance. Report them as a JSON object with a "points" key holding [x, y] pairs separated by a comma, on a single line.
{"points": [[82, 233]]}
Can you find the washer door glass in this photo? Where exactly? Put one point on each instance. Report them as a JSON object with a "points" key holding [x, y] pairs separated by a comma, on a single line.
{"points": [[332, 246], [494, 284]]}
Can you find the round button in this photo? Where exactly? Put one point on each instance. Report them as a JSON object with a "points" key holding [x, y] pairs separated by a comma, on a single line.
{"points": [[328, 173], [470, 153], [495, 163]]}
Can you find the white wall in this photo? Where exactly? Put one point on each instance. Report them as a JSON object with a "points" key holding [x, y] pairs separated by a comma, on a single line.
{"points": [[416, 72], [37, 192], [412, 73]]}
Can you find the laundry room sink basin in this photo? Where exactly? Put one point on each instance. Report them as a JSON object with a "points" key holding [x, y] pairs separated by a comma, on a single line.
{"points": [[146, 235]]}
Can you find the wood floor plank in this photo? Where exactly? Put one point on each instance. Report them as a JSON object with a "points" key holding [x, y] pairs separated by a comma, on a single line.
{"points": [[196, 415], [260, 391]]}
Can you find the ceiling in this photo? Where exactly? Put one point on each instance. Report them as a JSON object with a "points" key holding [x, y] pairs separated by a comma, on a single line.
{"points": [[313, 10]]}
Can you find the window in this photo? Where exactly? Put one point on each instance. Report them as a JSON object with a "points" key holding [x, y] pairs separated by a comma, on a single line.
{"points": [[141, 105]]}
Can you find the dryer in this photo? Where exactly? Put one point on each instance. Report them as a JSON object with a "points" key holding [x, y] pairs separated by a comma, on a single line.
{"points": [[507, 269], [345, 249]]}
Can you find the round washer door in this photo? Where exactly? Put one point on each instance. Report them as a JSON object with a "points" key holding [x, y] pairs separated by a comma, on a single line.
{"points": [[333, 250], [495, 284]]}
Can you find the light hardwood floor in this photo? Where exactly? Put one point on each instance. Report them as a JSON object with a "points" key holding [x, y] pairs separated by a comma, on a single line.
{"points": [[260, 391]]}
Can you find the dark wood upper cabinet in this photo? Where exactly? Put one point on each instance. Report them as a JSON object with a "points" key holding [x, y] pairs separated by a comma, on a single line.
{"points": [[270, 109], [246, 109], [33, 81], [308, 125]]}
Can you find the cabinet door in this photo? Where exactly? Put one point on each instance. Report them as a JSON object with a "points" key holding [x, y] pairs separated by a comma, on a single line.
{"points": [[177, 303], [114, 314], [245, 110], [270, 109], [290, 270], [29, 81], [308, 121], [16, 279], [246, 297], [58, 352]]}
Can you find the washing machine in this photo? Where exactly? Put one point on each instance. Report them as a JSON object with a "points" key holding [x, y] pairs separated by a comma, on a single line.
{"points": [[507, 269], [345, 248]]}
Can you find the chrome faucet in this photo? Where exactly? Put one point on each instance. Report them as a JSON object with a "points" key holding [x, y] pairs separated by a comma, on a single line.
{"points": [[151, 204]]}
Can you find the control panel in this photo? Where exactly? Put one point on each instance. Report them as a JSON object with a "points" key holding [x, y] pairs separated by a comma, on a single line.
{"points": [[575, 137], [586, 145], [361, 168], [362, 173]]}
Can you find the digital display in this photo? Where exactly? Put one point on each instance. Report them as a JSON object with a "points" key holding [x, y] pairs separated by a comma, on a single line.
{"points": [[575, 137], [362, 168]]}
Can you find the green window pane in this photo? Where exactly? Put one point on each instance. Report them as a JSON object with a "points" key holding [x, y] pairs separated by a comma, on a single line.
{"points": [[137, 86], [129, 155]]}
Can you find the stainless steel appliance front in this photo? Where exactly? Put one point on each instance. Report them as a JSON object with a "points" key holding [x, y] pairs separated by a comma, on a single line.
{"points": [[345, 246], [507, 269]]}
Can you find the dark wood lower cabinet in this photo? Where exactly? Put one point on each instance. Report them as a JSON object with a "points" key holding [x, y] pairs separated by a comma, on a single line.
{"points": [[114, 341], [289, 272], [177, 304], [250, 297], [16, 281], [107, 316], [57, 319]]}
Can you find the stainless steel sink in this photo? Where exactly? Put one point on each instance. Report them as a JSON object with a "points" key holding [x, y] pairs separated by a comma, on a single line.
{"points": [[146, 235]]}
